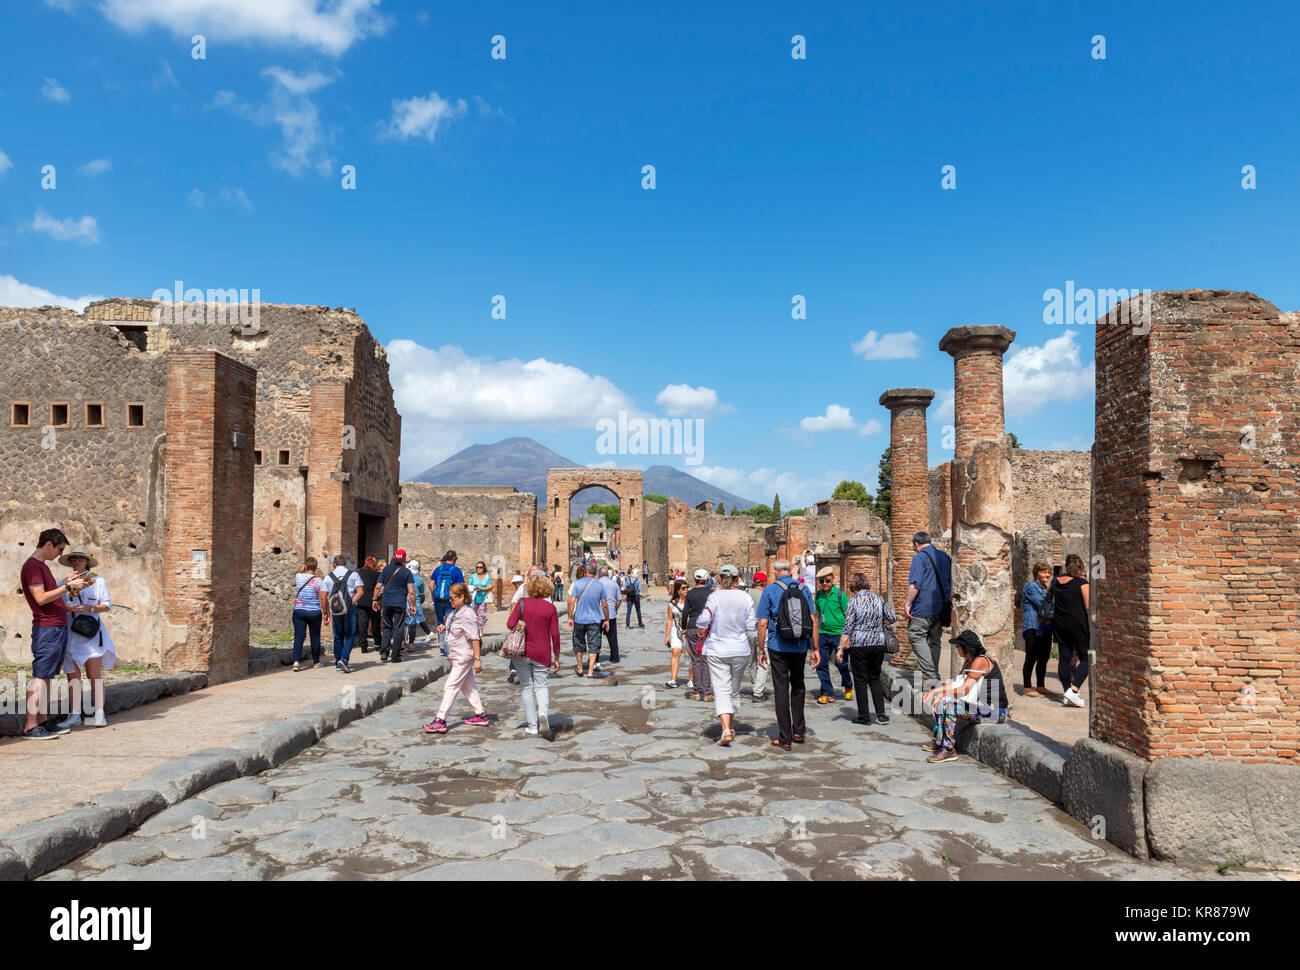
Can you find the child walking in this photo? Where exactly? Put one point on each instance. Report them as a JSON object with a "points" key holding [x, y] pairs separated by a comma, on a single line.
{"points": [[463, 643]]}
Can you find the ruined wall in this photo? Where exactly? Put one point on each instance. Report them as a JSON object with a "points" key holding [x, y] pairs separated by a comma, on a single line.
{"points": [[497, 524], [563, 483], [101, 486], [294, 348], [714, 540], [940, 483], [1045, 482], [654, 540], [1197, 487]]}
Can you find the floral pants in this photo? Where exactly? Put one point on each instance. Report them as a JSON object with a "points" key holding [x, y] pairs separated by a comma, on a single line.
{"points": [[950, 710]]}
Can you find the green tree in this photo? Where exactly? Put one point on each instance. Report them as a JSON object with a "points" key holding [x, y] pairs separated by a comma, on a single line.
{"points": [[660, 499], [1015, 442], [796, 512], [761, 513], [853, 492], [776, 508], [884, 480], [610, 512], [722, 509]]}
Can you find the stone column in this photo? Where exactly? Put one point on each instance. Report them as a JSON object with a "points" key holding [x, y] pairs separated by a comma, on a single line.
{"points": [[909, 494], [982, 504]]}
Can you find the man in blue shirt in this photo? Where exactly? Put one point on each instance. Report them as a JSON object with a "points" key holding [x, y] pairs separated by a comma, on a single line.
{"points": [[632, 590], [446, 575], [610, 585], [929, 589], [588, 613], [395, 595], [787, 657]]}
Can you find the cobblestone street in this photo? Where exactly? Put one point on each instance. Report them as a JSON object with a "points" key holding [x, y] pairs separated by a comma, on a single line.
{"points": [[634, 787]]}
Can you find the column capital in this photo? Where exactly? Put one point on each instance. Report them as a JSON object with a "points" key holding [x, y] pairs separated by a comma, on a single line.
{"points": [[979, 338], [902, 397]]}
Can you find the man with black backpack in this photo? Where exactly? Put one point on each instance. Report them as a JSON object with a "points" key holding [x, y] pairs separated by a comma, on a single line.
{"points": [[787, 631], [929, 604], [343, 590]]}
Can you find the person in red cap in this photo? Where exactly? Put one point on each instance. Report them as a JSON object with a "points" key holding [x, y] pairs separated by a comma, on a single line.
{"points": [[757, 661], [395, 597]]}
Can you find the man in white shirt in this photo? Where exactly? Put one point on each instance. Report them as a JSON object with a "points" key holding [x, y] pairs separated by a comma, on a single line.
{"points": [[729, 618], [343, 609]]}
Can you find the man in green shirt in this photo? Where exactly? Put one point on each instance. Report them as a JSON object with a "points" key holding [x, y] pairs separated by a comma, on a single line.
{"points": [[831, 606]]}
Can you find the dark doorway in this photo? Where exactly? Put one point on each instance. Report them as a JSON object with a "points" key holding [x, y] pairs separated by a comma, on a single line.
{"points": [[370, 538]]}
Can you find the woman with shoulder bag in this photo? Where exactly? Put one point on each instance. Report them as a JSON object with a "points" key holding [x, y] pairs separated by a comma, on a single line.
{"points": [[541, 656], [90, 648], [864, 642], [308, 607]]}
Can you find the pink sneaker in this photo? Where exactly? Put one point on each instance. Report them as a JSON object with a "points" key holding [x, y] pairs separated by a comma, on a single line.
{"points": [[478, 720], [436, 726]]}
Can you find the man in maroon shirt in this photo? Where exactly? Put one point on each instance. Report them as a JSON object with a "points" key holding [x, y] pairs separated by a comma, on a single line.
{"points": [[49, 629]]}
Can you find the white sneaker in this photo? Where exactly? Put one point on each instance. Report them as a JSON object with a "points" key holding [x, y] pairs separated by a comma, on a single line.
{"points": [[1072, 698], [529, 730], [100, 720], [71, 721]]}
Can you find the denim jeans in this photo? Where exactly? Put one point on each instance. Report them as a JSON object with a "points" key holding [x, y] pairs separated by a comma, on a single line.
{"points": [[534, 689], [302, 622], [345, 635], [830, 645], [441, 610]]}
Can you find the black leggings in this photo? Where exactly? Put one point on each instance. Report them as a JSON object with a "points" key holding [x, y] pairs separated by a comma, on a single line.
{"points": [[1038, 650], [865, 663], [1069, 643]]}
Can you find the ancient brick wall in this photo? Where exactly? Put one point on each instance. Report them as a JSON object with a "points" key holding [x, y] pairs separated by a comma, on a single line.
{"points": [[563, 483], [208, 541], [939, 481], [714, 540], [654, 539], [1197, 485], [496, 524], [101, 485], [1045, 482]]}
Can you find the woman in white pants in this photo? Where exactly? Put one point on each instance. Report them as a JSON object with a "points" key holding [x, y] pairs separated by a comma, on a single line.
{"points": [[727, 619], [94, 653]]}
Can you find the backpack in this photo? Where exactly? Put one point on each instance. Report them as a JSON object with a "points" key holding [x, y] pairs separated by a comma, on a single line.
{"points": [[340, 602], [442, 581], [792, 620], [1047, 609]]}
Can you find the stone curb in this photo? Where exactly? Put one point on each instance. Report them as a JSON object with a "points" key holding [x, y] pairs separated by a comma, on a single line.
{"points": [[33, 849], [124, 696]]}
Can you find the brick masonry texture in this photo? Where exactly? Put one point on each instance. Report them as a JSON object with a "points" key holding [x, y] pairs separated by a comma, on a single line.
{"points": [[1197, 483], [563, 483], [909, 495]]}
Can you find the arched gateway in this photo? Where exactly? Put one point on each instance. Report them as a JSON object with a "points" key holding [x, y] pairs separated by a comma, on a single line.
{"points": [[563, 483]]}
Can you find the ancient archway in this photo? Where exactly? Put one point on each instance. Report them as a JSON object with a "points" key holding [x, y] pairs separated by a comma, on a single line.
{"points": [[563, 483]]}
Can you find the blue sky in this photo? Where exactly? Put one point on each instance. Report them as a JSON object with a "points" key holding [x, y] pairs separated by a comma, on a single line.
{"points": [[775, 177]]}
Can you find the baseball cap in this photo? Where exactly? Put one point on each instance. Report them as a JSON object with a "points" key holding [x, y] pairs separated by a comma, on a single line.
{"points": [[400, 554], [728, 570], [701, 574], [760, 577]]}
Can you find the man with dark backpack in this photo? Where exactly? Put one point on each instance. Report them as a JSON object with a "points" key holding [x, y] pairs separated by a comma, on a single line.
{"points": [[786, 612], [446, 575], [343, 590], [929, 604]]}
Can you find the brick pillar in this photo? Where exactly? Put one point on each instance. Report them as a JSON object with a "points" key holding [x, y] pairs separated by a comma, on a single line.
{"points": [[1196, 495], [677, 535], [860, 557], [327, 482], [909, 492], [982, 504], [796, 535], [208, 531]]}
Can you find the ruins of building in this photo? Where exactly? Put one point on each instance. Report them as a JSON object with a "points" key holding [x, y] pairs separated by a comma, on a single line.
{"points": [[594, 534], [321, 443], [563, 483]]}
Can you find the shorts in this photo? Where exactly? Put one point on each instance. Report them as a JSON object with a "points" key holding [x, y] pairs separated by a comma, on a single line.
{"points": [[586, 638], [49, 644]]}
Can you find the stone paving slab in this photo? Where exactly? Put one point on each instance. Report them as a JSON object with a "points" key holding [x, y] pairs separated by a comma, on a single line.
{"points": [[382, 800]]}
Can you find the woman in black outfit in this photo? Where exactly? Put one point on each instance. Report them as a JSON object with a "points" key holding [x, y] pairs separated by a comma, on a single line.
{"points": [[864, 640], [1069, 593], [367, 619]]}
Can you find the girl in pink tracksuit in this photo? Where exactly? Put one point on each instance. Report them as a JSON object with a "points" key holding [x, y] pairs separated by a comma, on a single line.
{"points": [[463, 642]]}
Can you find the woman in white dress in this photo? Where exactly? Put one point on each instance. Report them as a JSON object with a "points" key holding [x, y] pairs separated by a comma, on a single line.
{"points": [[92, 653]]}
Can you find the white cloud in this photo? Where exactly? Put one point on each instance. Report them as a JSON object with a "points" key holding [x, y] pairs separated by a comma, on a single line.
{"points": [[796, 490], [5, 163], [84, 229], [871, 427], [331, 26], [165, 78], [836, 418], [16, 293], [1076, 443], [237, 197], [680, 400], [96, 167], [421, 117], [1035, 377], [944, 411], [290, 108], [195, 197], [441, 392], [52, 90], [888, 346]]}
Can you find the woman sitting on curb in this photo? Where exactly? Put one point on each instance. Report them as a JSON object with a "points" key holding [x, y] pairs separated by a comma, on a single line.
{"points": [[974, 696]]}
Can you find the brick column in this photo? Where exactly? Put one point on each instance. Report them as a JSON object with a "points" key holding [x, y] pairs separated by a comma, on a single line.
{"points": [[677, 535], [208, 532], [982, 503], [909, 493], [329, 524]]}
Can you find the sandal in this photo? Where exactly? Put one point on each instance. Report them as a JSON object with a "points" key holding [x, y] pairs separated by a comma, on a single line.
{"points": [[798, 739], [778, 743], [727, 738], [693, 696]]}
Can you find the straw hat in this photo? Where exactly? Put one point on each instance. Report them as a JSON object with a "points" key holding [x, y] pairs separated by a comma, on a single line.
{"points": [[91, 561]]}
